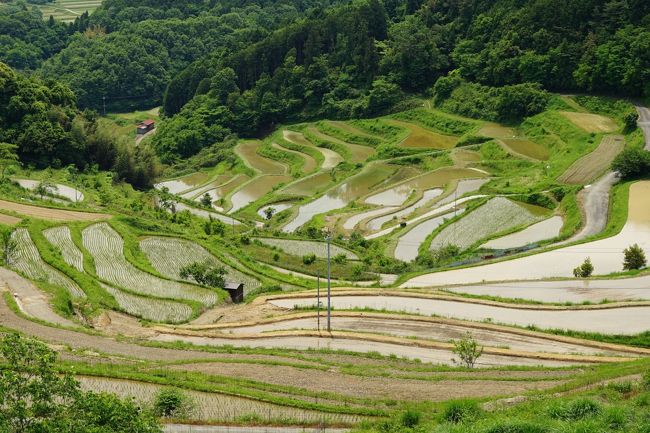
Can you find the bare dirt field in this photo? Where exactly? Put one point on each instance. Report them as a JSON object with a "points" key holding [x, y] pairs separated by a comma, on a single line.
{"points": [[591, 122], [590, 166], [51, 214]]}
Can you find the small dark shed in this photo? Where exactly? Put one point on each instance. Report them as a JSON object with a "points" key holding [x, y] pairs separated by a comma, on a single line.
{"points": [[146, 126], [236, 291]]}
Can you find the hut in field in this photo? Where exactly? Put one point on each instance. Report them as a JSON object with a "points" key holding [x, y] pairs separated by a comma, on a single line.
{"points": [[146, 126], [236, 291]]}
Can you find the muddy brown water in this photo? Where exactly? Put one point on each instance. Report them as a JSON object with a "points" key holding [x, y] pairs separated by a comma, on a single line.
{"points": [[254, 190]]}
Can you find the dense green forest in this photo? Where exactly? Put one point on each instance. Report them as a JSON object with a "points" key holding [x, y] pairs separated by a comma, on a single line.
{"points": [[220, 67]]}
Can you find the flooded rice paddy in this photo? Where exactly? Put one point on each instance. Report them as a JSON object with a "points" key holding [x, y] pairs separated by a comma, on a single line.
{"points": [[358, 153], [527, 148], [353, 188], [310, 185], [68, 192], [606, 254], [182, 184], [409, 243], [309, 163], [254, 190], [422, 138], [247, 151], [575, 291], [331, 158], [631, 320], [354, 220], [277, 208], [547, 229]]}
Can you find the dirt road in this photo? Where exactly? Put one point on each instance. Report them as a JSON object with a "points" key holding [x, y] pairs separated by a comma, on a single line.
{"points": [[51, 214], [595, 204], [644, 124]]}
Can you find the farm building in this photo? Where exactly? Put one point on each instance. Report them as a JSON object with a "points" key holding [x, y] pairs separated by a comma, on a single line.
{"points": [[146, 126], [236, 291]]}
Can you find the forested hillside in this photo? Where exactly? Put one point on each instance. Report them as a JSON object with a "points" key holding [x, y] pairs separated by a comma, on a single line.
{"points": [[220, 67]]}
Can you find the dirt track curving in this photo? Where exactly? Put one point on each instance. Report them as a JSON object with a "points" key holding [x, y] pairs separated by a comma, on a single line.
{"points": [[644, 124]]}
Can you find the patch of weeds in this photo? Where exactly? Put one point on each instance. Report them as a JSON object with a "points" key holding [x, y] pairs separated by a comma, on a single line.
{"points": [[461, 411], [575, 410]]}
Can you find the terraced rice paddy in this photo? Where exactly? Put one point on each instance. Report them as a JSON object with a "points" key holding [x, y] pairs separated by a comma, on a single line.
{"points": [[277, 208], [575, 291], [606, 254], [352, 189], [308, 186], [592, 165], [68, 10], [591, 122], [182, 184], [358, 153], [427, 196], [61, 238], [303, 248], [247, 151], [219, 191], [527, 148], [543, 230], [395, 196], [309, 164], [65, 191], [156, 310], [202, 213], [213, 406], [107, 248], [169, 255], [331, 158], [464, 186], [27, 260], [422, 138], [408, 245], [497, 215], [354, 220], [344, 126], [214, 183], [631, 320], [254, 190]]}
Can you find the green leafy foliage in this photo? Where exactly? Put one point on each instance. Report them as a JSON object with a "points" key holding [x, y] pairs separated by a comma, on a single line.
{"points": [[204, 273], [34, 397], [584, 270], [632, 162], [634, 258]]}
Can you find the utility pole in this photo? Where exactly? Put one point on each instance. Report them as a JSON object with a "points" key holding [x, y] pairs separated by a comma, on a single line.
{"points": [[318, 299], [104, 99], [329, 285]]}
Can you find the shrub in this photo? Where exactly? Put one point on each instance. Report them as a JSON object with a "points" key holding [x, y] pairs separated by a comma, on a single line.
{"points": [[461, 411], [340, 259], [309, 259], [632, 162], [624, 387], [172, 403], [645, 381], [410, 418], [615, 418], [577, 409], [468, 350], [634, 258], [516, 427], [584, 270]]}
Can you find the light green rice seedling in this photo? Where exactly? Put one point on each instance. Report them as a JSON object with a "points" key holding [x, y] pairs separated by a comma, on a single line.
{"points": [[107, 248], [27, 260]]}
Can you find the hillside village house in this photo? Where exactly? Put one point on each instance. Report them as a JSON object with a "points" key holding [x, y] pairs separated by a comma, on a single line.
{"points": [[146, 126]]}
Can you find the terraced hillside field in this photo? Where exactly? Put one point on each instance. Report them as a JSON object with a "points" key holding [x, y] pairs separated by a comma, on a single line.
{"points": [[169, 255], [27, 260], [107, 249]]}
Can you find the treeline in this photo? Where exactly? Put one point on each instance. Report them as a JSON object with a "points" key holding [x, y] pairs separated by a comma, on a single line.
{"points": [[129, 51], [325, 66], [42, 120], [489, 59]]}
